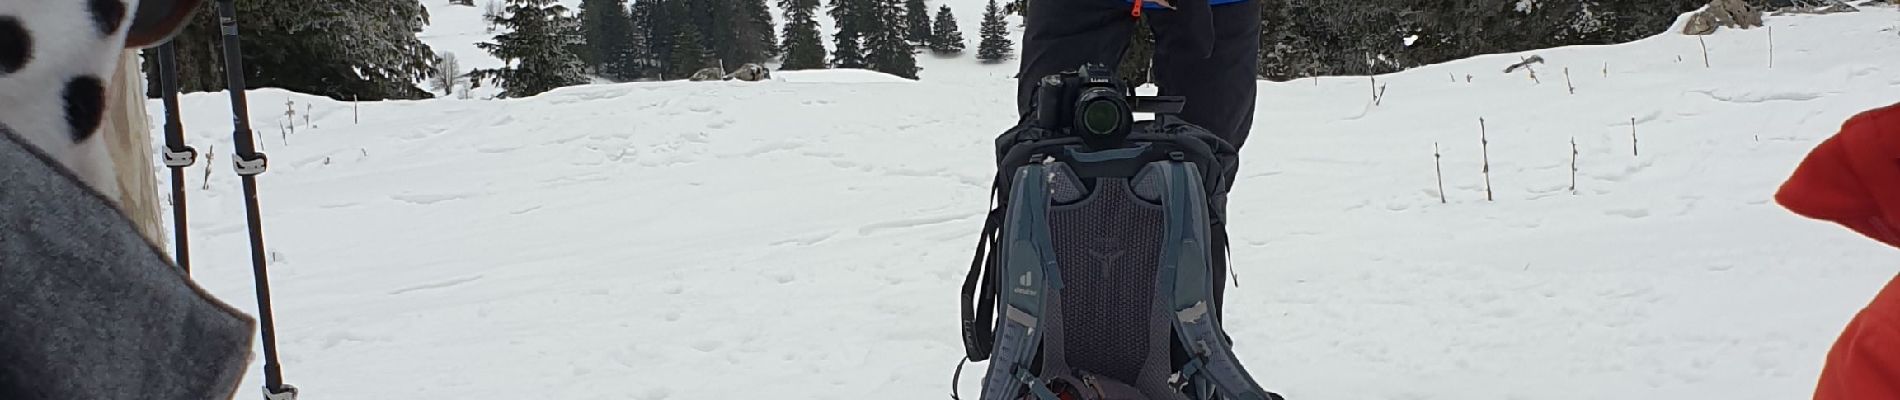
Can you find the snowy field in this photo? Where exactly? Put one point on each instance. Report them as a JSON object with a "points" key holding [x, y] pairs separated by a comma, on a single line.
{"points": [[806, 238]]}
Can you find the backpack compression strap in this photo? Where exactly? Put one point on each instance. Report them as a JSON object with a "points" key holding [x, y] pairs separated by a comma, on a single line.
{"points": [[981, 307]]}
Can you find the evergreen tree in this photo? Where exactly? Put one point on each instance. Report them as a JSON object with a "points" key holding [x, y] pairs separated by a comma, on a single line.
{"points": [[296, 45], [917, 18], [655, 32], [641, 62], [945, 37], [804, 47], [848, 49], [849, 52], [608, 29], [995, 46], [759, 16], [735, 31], [887, 49], [688, 55], [534, 52]]}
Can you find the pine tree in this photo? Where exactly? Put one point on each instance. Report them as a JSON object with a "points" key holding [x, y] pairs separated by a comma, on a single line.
{"points": [[688, 55], [995, 46], [848, 48], [735, 31], [490, 11], [849, 52], [534, 52], [945, 37], [608, 30], [759, 17], [298, 46], [640, 60], [886, 47], [653, 37], [917, 18], [804, 47]]}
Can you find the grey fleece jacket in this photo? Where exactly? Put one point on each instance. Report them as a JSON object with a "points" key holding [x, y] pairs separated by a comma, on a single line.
{"points": [[89, 310]]}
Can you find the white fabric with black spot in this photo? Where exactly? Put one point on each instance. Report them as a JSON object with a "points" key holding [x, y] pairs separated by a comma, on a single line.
{"points": [[55, 57]]}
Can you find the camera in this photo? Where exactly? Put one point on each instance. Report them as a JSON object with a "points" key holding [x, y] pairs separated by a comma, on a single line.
{"points": [[1092, 103]]}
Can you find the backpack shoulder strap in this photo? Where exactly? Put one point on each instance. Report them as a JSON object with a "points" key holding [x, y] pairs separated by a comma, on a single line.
{"points": [[1188, 286]]}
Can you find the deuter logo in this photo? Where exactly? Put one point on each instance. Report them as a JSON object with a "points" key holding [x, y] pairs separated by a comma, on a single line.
{"points": [[1026, 284]]}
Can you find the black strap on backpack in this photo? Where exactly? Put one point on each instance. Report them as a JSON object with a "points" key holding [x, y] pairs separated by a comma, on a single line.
{"points": [[979, 290]]}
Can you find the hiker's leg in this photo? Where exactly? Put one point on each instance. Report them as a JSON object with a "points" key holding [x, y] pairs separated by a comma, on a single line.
{"points": [[1061, 35], [1220, 89]]}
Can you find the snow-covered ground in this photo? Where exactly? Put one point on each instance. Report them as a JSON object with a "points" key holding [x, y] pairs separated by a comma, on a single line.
{"points": [[806, 238]]}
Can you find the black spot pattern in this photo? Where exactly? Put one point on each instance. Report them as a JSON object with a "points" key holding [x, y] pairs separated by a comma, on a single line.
{"points": [[15, 45], [108, 14], [85, 106]]}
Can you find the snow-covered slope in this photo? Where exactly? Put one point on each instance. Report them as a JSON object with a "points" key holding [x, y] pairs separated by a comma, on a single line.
{"points": [[806, 238]]}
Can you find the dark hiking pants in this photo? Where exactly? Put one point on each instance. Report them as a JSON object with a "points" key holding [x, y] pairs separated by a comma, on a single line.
{"points": [[1208, 54]]}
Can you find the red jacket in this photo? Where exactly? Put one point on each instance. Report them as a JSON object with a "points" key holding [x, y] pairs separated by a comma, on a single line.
{"points": [[1853, 179]]}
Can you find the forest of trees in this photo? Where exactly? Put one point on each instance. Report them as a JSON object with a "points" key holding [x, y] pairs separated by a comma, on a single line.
{"points": [[291, 44], [1359, 37]]}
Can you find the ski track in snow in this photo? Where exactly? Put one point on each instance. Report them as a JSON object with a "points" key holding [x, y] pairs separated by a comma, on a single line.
{"points": [[437, 285], [806, 237]]}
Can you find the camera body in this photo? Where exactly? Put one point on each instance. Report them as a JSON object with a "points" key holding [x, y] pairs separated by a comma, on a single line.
{"points": [[1094, 104]]}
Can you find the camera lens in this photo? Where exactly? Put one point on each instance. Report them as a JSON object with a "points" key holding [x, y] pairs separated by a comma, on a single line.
{"points": [[1101, 117]]}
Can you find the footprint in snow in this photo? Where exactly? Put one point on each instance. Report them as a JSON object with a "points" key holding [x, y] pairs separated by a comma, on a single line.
{"points": [[339, 337], [1632, 213], [1627, 171], [1864, 71], [658, 393]]}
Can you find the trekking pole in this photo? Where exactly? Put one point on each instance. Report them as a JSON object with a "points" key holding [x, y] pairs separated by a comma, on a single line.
{"points": [[177, 156], [248, 163]]}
